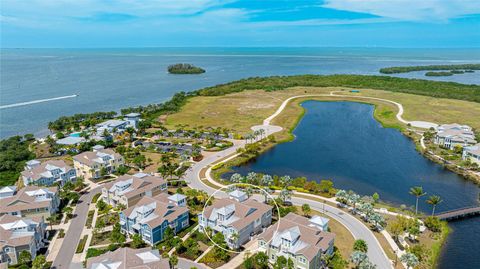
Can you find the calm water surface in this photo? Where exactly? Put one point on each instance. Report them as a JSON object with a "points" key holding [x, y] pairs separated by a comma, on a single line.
{"points": [[111, 79], [343, 142]]}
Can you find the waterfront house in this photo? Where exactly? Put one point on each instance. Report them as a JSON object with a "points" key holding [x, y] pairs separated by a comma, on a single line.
{"points": [[125, 258], [472, 153], [47, 173], [20, 234], [453, 135], [71, 141], [90, 164], [129, 189], [237, 220], [151, 216], [297, 238], [133, 119], [31, 201]]}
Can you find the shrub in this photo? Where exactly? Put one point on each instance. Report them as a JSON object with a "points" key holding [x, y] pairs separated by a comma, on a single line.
{"points": [[433, 224]]}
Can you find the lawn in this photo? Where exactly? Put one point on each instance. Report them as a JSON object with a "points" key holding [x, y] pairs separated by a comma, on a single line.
{"points": [[240, 111], [101, 239]]}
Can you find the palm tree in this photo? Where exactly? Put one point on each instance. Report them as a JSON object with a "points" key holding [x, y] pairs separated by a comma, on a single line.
{"points": [[357, 257], [248, 191], [286, 180], [417, 192], [409, 259], [434, 200], [285, 195], [267, 180], [235, 178], [251, 177]]}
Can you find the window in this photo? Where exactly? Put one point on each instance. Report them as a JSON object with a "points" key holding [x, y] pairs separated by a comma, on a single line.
{"points": [[302, 260]]}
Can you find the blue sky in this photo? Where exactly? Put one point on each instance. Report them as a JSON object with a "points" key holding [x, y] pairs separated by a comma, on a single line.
{"points": [[191, 23]]}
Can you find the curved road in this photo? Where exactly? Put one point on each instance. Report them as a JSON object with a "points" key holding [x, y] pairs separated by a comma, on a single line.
{"points": [[357, 228]]}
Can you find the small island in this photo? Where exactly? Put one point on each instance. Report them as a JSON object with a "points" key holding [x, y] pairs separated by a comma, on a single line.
{"points": [[439, 74], [447, 67], [183, 68]]}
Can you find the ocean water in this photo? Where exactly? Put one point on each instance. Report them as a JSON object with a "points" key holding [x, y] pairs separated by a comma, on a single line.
{"points": [[110, 79]]}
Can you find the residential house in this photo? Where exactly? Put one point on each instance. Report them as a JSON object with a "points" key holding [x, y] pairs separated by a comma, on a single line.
{"points": [[298, 238], [238, 218], [133, 119], [7, 191], [129, 189], [125, 258], [91, 164], [472, 153], [31, 201], [48, 173], [151, 216], [20, 234], [452, 135]]}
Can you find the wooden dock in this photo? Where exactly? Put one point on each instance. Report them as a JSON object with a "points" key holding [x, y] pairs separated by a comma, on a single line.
{"points": [[459, 213]]}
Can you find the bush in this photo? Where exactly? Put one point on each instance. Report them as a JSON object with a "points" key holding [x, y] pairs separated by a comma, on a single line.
{"points": [[94, 252], [433, 224], [81, 244]]}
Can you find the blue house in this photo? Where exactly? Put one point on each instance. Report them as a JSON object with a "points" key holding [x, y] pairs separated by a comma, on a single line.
{"points": [[151, 216]]}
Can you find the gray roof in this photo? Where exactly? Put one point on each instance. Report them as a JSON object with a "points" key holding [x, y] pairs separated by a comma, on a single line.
{"points": [[70, 140]]}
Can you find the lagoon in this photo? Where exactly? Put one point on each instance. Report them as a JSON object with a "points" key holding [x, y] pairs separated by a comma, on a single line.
{"points": [[343, 142]]}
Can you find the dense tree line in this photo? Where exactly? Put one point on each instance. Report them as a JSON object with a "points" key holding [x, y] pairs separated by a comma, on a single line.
{"points": [[439, 89], [171, 106], [74, 122], [14, 153], [184, 69], [406, 69]]}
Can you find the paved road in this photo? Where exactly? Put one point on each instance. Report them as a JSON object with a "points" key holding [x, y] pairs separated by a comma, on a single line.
{"points": [[357, 228], [72, 235]]}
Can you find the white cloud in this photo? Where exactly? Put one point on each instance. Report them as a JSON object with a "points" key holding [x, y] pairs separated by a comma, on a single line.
{"points": [[409, 10]]}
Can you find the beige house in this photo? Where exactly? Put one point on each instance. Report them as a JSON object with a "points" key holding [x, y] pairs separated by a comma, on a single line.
{"points": [[297, 238], [89, 164], [129, 189], [454, 135], [238, 218], [472, 153], [47, 173], [124, 258], [20, 234], [31, 201]]}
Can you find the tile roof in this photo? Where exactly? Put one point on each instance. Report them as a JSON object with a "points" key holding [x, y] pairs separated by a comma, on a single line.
{"points": [[10, 237], [244, 212], [308, 238], [132, 185], [90, 157], [124, 258], [160, 210], [44, 169], [25, 199]]}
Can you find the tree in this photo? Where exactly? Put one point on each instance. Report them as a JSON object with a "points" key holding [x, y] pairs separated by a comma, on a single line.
{"points": [[235, 178], [251, 177], [341, 196], [417, 192], [101, 205], [360, 245], [266, 180], [116, 236], [409, 259], [39, 262], [434, 200], [137, 241], [286, 181], [306, 209], [24, 257], [357, 257], [325, 185], [280, 263], [261, 260], [376, 197], [285, 195], [173, 261]]}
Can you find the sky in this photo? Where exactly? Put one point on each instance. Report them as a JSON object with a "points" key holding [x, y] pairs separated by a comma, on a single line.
{"points": [[239, 23]]}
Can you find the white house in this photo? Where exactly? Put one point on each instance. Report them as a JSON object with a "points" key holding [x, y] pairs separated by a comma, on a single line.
{"points": [[472, 153], [453, 135]]}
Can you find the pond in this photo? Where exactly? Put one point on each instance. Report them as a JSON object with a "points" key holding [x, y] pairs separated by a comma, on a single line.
{"points": [[343, 142]]}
